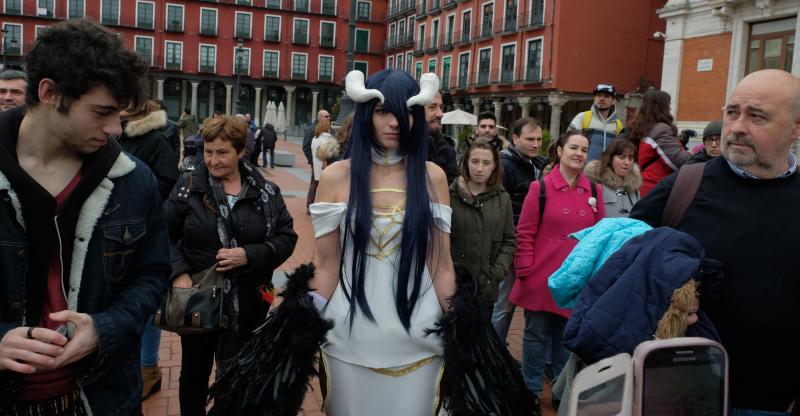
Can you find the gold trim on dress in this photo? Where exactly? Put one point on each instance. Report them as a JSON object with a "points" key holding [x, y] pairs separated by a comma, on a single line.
{"points": [[405, 370]]}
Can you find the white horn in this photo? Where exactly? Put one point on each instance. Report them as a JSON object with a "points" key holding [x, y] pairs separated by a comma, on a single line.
{"points": [[354, 86], [428, 87]]}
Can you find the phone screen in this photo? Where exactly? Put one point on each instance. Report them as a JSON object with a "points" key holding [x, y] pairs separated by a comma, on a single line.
{"points": [[684, 381], [602, 400]]}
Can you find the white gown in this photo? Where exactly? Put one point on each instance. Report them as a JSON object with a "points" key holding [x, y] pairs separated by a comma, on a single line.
{"points": [[377, 368]]}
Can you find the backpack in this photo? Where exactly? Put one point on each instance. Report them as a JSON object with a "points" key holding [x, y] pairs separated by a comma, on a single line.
{"points": [[543, 196], [587, 118]]}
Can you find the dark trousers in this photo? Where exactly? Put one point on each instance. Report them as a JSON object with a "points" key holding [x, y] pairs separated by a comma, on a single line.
{"points": [[312, 191], [197, 358]]}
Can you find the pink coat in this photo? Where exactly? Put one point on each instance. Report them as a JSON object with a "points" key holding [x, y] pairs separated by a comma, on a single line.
{"points": [[541, 250]]}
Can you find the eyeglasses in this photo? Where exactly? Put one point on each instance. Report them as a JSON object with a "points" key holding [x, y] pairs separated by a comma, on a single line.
{"points": [[713, 139]]}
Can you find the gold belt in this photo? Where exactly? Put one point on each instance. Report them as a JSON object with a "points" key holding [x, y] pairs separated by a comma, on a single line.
{"points": [[405, 370]]}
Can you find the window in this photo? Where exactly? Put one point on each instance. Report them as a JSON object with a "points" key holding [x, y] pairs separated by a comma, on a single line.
{"points": [[243, 25], [463, 70], [144, 47], [533, 71], [362, 40], [772, 45], [390, 62], [40, 30], [174, 18], [401, 65], [486, 22], [271, 59], [243, 2], [446, 72], [109, 12], [144, 14], [421, 37], [484, 63], [536, 17], [299, 65], [432, 65], [272, 28], [363, 10], [361, 66], [208, 58], [208, 22], [466, 26], [273, 4], [12, 39], [300, 31], [507, 63], [13, 6], [75, 9], [401, 31], [408, 62], [434, 33], [451, 22], [325, 68], [327, 34], [45, 8], [241, 58], [392, 39], [301, 6], [173, 55], [418, 70], [328, 7]]}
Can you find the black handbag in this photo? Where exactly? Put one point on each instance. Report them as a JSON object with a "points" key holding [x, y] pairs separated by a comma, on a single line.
{"points": [[197, 310]]}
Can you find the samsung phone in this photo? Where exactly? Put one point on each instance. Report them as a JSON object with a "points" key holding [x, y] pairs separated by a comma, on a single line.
{"points": [[604, 388], [680, 377]]}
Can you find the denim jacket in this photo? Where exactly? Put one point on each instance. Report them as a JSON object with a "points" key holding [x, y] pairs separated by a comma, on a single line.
{"points": [[118, 275]]}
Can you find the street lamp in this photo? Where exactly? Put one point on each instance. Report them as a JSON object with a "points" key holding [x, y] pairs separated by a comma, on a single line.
{"points": [[237, 70]]}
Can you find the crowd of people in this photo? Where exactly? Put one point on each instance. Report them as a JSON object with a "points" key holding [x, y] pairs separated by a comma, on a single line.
{"points": [[424, 245]]}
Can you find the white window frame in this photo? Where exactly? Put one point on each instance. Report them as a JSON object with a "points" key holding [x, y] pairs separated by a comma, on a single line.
{"points": [[55, 7], [119, 10], [527, 51], [505, 9], [22, 6], [335, 8], [447, 23], [369, 33], [183, 15], [308, 28], [333, 65], [280, 25], [389, 66], [83, 12], [291, 69], [320, 31], [483, 6], [369, 18], [200, 54], [236, 19], [435, 42], [530, 15], [427, 68], [165, 52], [392, 28], [36, 31], [21, 37], [458, 70], [409, 60], [463, 12], [136, 18], [264, 58], [478, 64], [216, 19], [249, 61], [420, 27], [514, 69], [152, 47], [366, 65], [441, 71]]}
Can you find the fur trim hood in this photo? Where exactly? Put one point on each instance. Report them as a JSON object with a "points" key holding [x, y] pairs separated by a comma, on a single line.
{"points": [[150, 122], [328, 149], [631, 183]]}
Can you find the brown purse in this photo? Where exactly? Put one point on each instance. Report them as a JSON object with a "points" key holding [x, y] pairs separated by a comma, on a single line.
{"points": [[197, 310]]}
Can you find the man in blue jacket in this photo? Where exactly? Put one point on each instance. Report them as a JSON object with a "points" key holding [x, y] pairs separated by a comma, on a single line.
{"points": [[84, 257]]}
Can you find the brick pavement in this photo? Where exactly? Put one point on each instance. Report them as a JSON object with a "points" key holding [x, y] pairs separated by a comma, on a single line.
{"points": [[294, 185]]}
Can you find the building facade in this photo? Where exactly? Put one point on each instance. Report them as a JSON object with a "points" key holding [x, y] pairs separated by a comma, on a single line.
{"points": [[527, 57], [712, 44], [228, 56]]}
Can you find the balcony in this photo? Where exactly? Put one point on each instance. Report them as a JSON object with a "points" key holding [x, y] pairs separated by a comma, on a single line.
{"points": [[326, 42], [532, 75], [400, 9], [508, 26], [110, 20], [421, 9], [362, 17], [486, 30], [244, 72], [272, 36], [175, 26], [447, 42], [270, 74], [419, 50], [274, 4], [529, 21], [435, 8], [463, 82], [399, 41], [207, 69], [208, 31], [506, 76], [462, 38], [483, 78], [145, 24], [449, 4], [325, 78], [299, 76], [242, 33], [172, 66]]}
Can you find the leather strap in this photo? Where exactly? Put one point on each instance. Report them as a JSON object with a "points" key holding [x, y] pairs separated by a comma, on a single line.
{"points": [[682, 194]]}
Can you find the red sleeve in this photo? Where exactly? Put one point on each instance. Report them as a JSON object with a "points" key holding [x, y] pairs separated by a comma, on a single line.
{"points": [[527, 229]]}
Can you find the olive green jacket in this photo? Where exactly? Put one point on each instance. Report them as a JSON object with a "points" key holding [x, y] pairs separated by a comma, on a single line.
{"points": [[482, 235]]}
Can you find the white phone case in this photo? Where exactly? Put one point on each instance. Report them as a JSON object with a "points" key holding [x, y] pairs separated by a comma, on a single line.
{"points": [[604, 388]]}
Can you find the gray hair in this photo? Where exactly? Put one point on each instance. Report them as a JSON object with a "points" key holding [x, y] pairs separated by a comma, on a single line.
{"points": [[12, 74]]}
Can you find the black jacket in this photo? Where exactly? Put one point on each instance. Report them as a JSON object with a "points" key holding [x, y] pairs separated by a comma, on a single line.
{"points": [[194, 242], [442, 152], [145, 139], [699, 157], [308, 136], [269, 137], [172, 134], [518, 173]]}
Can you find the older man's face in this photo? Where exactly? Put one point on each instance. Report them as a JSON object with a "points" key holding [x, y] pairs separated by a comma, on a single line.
{"points": [[12, 93], [761, 122], [433, 113], [323, 115]]}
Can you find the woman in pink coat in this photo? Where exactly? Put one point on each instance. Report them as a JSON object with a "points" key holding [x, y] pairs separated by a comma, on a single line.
{"points": [[541, 248]]}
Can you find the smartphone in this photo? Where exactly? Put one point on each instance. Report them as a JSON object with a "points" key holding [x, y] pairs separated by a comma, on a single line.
{"points": [[604, 388], [680, 377]]}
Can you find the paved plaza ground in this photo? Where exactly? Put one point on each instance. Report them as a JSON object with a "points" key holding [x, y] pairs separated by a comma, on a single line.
{"points": [[294, 185]]}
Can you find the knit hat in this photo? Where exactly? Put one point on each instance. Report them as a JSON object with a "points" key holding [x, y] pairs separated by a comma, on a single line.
{"points": [[713, 128]]}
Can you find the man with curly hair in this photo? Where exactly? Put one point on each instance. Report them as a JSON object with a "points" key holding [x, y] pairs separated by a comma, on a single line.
{"points": [[84, 257]]}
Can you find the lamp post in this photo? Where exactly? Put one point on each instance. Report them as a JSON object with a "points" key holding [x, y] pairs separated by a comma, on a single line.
{"points": [[237, 70]]}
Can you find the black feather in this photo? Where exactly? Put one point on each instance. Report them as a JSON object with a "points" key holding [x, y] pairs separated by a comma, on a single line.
{"points": [[480, 376], [270, 375]]}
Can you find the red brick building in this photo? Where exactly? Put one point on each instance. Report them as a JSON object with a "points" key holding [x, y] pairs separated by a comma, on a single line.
{"points": [[290, 51], [527, 57]]}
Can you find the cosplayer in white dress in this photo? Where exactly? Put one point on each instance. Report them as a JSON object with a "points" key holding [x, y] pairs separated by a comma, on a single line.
{"points": [[377, 368]]}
